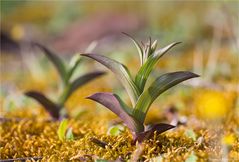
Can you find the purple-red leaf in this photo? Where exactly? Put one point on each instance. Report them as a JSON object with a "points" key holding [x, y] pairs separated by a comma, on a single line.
{"points": [[51, 107], [113, 103], [160, 128]]}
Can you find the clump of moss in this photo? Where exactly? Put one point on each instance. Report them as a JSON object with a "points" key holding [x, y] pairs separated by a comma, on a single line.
{"points": [[38, 138]]}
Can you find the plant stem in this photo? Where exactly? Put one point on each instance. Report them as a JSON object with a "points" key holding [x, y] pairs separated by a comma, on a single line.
{"points": [[64, 96]]}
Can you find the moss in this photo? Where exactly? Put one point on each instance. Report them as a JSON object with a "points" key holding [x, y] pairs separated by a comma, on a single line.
{"points": [[38, 138]]}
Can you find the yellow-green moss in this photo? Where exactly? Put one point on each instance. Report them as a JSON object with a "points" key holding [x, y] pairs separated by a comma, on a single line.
{"points": [[38, 138]]}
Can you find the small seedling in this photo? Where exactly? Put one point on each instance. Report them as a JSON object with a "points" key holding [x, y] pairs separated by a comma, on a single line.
{"points": [[56, 109], [141, 98], [64, 132], [115, 130]]}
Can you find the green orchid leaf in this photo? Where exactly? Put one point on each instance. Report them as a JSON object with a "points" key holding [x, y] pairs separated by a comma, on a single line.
{"points": [[148, 66], [147, 50], [112, 102], [80, 81], [57, 62], [160, 85], [61, 132], [139, 48], [75, 61], [122, 74], [153, 47]]}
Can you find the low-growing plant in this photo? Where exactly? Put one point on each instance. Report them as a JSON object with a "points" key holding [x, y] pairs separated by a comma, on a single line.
{"points": [[56, 109], [141, 98], [64, 132]]}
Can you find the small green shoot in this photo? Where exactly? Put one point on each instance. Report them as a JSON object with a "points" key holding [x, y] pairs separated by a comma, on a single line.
{"points": [[115, 130], [62, 129], [140, 96], [68, 85], [65, 133]]}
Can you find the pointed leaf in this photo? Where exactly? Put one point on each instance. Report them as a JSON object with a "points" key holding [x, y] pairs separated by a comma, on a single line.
{"points": [[59, 64], [111, 101], [121, 72], [160, 85], [139, 48], [85, 79], [160, 128], [52, 108], [78, 82], [61, 132], [153, 46], [75, 61], [148, 66], [91, 47], [147, 50]]}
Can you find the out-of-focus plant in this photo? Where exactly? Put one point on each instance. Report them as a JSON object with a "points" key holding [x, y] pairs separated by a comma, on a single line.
{"points": [[56, 109], [13, 101], [141, 97]]}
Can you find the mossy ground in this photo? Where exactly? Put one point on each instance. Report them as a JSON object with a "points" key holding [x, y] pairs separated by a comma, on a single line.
{"points": [[34, 137]]}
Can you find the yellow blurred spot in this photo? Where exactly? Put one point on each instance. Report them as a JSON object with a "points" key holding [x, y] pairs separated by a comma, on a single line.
{"points": [[211, 104], [17, 32], [228, 139]]}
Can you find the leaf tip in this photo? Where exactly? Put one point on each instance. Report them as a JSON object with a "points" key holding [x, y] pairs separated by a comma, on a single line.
{"points": [[126, 34], [179, 42], [194, 75], [31, 93], [93, 96], [39, 45], [99, 73]]}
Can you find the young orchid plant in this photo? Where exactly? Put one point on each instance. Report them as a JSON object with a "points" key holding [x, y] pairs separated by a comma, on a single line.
{"points": [[56, 109], [141, 97]]}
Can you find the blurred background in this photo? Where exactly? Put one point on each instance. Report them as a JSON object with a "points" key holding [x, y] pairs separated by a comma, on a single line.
{"points": [[208, 30]]}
